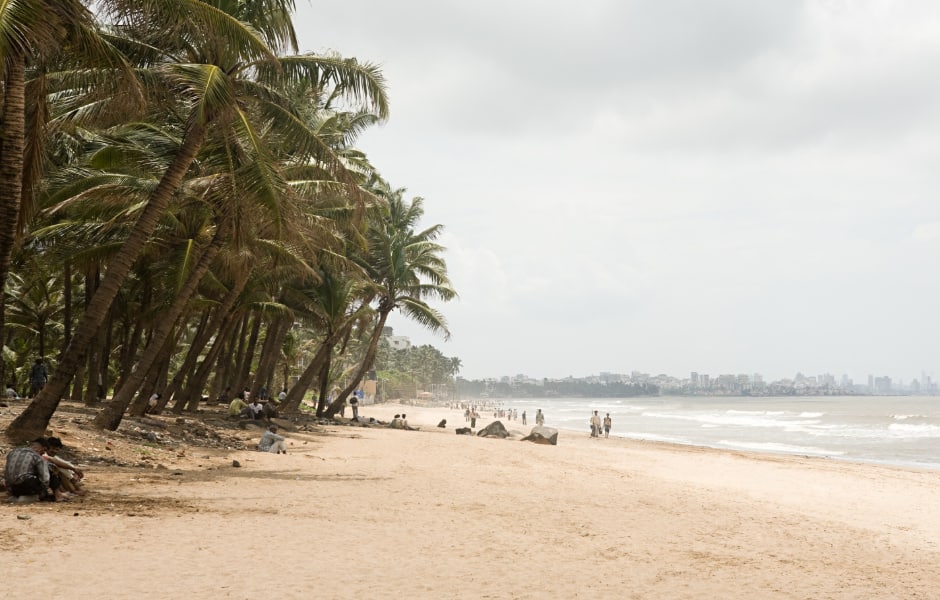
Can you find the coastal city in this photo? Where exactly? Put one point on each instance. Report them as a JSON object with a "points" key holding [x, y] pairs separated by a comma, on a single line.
{"points": [[701, 384]]}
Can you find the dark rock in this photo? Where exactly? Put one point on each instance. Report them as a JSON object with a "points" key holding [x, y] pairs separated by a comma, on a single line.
{"points": [[464, 431], [494, 429], [236, 464], [442, 424], [542, 435]]}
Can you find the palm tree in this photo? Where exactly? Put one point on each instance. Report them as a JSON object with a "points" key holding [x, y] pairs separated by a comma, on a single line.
{"points": [[222, 59], [406, 269], [34, 35]]}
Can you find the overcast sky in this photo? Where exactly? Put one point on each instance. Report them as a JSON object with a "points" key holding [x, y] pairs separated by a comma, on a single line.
{"points": [[667, 186]]}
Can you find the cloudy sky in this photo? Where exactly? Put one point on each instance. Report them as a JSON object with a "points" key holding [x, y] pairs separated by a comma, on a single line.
{"points": [[667, 186]]}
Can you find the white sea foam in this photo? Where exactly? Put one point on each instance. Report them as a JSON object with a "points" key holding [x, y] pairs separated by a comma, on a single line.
{"points": [[914, 431], [777, 447], [652, 437], [735, 418]]}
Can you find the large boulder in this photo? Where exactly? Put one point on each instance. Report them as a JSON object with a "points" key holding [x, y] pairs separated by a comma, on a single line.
{"points": [[494, 429], [542, 435]]}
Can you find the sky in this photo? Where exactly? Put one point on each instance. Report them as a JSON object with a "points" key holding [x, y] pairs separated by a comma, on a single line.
{"points": [[666, 186]]}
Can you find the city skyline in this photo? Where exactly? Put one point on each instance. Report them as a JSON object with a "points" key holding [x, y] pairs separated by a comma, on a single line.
{"points": [[841, 381]]}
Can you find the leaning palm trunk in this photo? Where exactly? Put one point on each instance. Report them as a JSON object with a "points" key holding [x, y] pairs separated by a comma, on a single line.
{"points": [[200, 339], [364, 366], [33, 421], [188, 371], [296, 394], [197, 382], [111, 416]]}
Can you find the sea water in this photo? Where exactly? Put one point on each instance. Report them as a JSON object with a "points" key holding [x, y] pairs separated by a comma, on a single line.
{"points": [[900, 430]]}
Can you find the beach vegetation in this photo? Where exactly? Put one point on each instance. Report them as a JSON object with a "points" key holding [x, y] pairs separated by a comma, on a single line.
{"points": [[192, 214]]}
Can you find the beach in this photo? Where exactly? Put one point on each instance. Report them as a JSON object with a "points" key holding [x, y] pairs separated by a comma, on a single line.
{"points": [[365, 512]]}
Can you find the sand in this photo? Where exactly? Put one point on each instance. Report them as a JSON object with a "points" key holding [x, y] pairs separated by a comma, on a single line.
{"points": [[378, 513]]}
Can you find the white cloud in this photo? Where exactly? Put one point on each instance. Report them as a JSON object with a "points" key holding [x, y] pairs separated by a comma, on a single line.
{"points": [[668, 186]]}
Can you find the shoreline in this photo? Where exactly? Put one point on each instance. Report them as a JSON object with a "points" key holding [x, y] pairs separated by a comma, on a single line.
{"points": [[907, 465], [354, 512]]}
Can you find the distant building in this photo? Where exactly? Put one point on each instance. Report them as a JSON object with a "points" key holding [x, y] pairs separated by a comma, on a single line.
{"points": [[395, 342]]}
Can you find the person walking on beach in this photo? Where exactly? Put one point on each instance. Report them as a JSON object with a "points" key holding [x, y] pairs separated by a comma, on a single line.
{"points": [[539, 417], [595, 425], [607, 423], [523, 417]]}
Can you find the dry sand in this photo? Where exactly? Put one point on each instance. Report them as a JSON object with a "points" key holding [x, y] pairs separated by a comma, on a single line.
{"points": [[378, 513]]}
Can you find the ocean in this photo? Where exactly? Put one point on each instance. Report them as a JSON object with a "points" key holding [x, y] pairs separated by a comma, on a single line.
{"points": [[896, 430]]}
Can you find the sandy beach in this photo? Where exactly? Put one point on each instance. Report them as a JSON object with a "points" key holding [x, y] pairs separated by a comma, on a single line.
{"points": [[354, 512]]}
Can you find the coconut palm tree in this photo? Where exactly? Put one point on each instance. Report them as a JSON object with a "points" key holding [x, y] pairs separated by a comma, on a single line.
{"points": [[36, 36], [406, 268], [219, 64]]}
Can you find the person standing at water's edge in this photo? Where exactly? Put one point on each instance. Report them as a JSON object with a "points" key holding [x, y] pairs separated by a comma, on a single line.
{"points": [[607, 423], [539, 417], [595, 425]]}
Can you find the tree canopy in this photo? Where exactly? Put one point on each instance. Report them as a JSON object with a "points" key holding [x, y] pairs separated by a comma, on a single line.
{"points": [[191, 213]]}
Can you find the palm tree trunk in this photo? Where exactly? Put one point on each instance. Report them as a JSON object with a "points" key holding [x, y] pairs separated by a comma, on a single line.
{"points": [[67, 304], [110, 417], [244, 367], [196, 384], [200, 338], [323, 392], [270, 352], [33, 421], [364, 367], [95, 358], [12, 144], [296, 393]]}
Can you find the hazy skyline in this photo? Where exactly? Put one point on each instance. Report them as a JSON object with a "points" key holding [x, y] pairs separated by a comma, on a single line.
{"points": [[666, 186]]}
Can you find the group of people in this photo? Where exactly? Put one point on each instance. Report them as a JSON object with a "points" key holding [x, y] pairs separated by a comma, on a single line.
{"points": [[38, 376], [597, 424], [401, 422], [259, 408], [35, 472]]}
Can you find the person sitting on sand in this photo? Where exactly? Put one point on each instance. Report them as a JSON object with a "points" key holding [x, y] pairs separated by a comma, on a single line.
{"points": [[238, 407], [153, 402], [404, 423], [269, 409], [26, 474], [255, 409], [272, 442], [69, 475], [396, 422]]}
